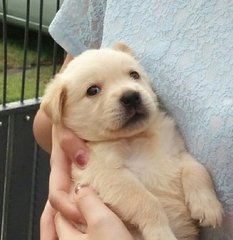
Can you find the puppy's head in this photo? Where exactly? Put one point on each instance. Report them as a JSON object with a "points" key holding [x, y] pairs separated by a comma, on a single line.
{"points": [[102, 95]]}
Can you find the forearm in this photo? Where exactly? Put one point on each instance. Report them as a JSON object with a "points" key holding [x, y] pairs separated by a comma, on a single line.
{"points": [[42, 130]]}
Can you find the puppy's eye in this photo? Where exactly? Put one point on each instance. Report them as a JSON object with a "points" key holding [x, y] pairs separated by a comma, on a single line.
{"points": [[134, 75], [93, 90]]}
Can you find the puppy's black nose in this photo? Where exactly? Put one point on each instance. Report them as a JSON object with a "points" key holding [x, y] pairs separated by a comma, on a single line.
{"points": [[130, 99]]}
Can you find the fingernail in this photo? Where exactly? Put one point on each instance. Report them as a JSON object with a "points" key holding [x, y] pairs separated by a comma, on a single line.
{"points": [[80, 158], [78, 187]]}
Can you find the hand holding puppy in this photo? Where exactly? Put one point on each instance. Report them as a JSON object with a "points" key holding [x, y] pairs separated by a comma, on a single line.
{"points": [[66, 148], [102, 223]]}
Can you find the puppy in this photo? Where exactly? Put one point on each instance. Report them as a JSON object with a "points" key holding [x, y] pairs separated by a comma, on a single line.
{"points": [[138, 163]]}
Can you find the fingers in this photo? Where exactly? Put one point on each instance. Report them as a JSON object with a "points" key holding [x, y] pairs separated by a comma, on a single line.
{"points": [[62, 203], [59, 186], [47, 227], [102, 223], [74, 147], [60, 183], [65, 230], [92, 208]]}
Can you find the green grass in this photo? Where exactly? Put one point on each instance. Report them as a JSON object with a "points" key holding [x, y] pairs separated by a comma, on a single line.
{"points": [[14, 83], [15, 65]]}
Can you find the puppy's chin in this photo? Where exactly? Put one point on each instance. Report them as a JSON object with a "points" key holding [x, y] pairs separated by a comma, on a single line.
{"points": [[136, 120], [133, 120], [108, 131], [138, 123]]}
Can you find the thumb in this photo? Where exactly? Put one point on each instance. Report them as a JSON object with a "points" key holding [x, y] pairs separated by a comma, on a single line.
{"points": [[65, 230], [73, 147], [92, 208]]}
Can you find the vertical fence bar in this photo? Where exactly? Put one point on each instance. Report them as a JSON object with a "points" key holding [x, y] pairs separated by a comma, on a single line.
{"points": [[55, 47], [7, 179], [25, 51], [39, 50], [33, 193], [4, 21]]}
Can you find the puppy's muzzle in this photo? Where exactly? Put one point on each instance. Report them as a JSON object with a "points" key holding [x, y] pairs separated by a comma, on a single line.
{"points": [[135, 111]]}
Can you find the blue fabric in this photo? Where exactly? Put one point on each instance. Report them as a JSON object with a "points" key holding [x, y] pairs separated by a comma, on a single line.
{"points": [[186, 47], [78, 25]]}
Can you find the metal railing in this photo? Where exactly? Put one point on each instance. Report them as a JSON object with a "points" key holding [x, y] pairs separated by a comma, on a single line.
{"points": [[56, 48], [24, 167]]}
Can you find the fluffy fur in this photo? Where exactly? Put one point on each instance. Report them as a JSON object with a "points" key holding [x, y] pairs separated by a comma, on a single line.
{"points": [[138, 163]]}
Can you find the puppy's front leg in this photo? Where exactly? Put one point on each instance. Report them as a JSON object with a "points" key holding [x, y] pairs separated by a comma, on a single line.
{"points": [[199, 193], [133, 203]]}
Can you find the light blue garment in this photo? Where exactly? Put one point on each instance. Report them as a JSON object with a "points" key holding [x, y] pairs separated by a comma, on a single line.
{"points": [[78, 25], [186, 47]]}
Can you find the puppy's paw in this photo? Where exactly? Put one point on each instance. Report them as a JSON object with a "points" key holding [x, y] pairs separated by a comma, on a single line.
{"points": [[159, 233], [207, 210]]}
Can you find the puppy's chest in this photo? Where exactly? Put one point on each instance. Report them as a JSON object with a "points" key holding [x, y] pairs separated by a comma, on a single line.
{"points": [[152, 166], [140, 161]]}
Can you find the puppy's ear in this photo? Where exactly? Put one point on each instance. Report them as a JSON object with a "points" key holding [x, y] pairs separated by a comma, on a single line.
{"points": [[123, 48], [54, 100]]}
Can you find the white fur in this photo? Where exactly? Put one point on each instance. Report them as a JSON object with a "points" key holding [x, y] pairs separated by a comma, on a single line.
{"points": [[142, 171]]}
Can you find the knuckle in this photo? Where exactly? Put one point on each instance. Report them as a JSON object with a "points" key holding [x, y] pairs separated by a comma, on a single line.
{"points": [[53, 199], [100, 220], [66, 140]]}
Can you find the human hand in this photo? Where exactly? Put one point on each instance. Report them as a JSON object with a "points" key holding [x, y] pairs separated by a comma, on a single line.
{"points": [[66, 148], [47, 226], [102, 223]]}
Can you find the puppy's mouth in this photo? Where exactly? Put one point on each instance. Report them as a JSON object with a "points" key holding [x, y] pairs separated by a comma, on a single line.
{"points": [[135, 117]]}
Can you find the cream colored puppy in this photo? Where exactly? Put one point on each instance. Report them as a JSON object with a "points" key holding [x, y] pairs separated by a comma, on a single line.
{"points": [[138, 162]]}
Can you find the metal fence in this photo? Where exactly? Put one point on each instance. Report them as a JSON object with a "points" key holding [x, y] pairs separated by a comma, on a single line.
{"points": [[24, 167]]}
